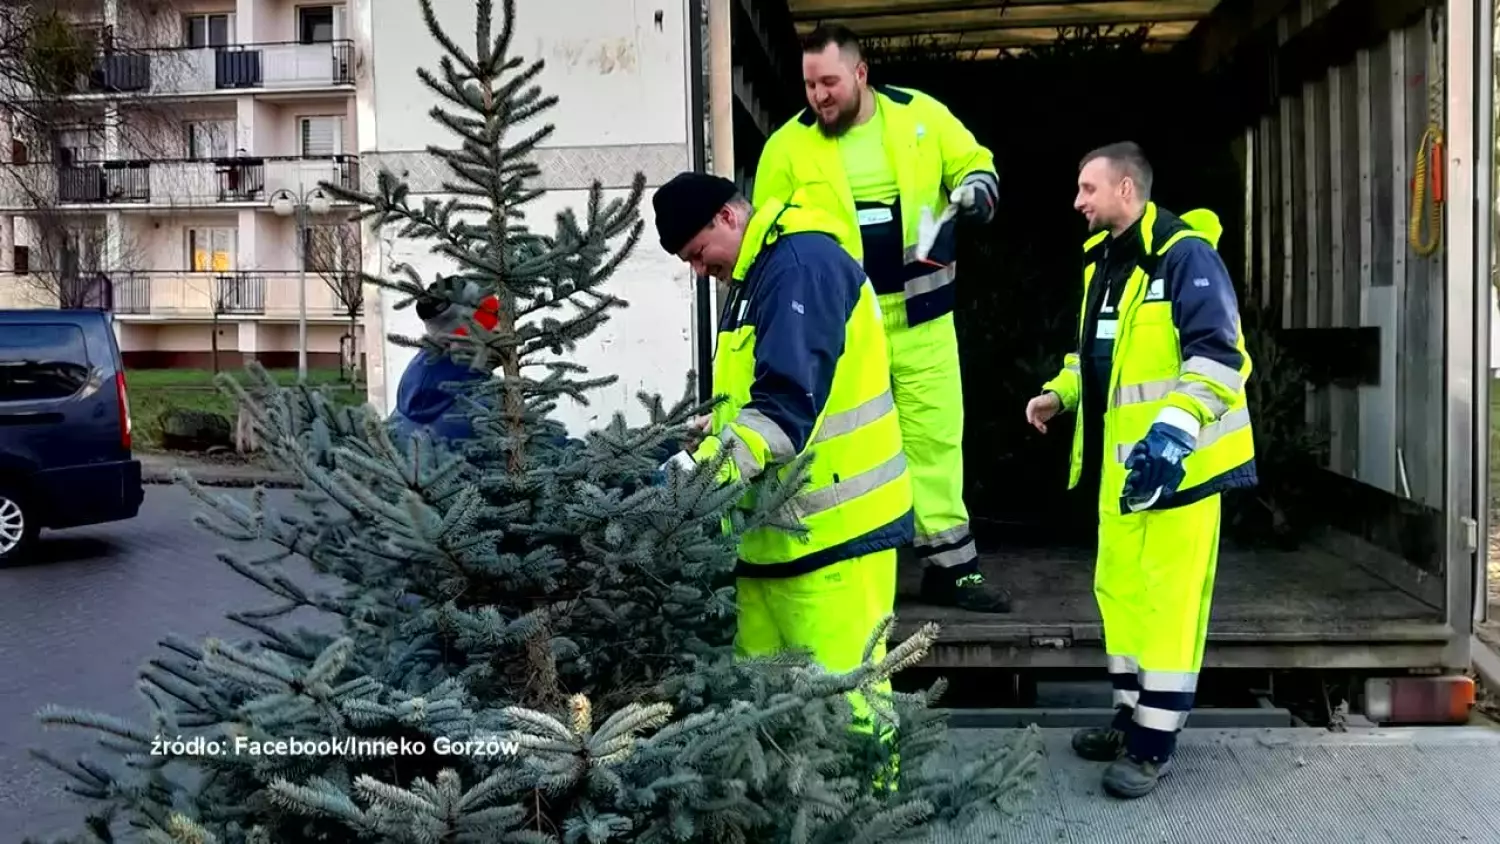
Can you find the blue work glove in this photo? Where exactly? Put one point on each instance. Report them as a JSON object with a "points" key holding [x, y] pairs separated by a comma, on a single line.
{"points": [[1155, 466]]}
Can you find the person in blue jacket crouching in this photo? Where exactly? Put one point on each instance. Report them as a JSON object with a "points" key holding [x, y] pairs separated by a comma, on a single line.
{"points": [[428, 397]]}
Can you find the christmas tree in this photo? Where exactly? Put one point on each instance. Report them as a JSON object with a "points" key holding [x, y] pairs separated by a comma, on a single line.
{"points": [[531, 635]]}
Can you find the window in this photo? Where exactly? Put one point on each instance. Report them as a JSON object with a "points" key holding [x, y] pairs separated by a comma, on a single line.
{"points": [[211, 250], [80, 145], [320, 24], [42, 361], [209, 30], [321, 137], [208, 138], [82, 250]]}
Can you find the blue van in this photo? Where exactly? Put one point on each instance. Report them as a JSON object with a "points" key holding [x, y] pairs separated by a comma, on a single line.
{"points": [[65, 453]]}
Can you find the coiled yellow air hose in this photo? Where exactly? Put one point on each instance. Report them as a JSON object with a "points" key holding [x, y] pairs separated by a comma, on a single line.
{"points": [[1429, 156], [1432, 140]]}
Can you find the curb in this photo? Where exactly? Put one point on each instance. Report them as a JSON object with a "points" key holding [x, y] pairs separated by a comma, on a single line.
{"points": [[227, 481]]}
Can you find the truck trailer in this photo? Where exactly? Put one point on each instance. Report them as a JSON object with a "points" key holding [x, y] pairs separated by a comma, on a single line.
{"points": [[1318, 131]]}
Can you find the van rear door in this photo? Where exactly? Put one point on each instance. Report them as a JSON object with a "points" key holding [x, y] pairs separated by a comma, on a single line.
{"points": [[57, 405]]}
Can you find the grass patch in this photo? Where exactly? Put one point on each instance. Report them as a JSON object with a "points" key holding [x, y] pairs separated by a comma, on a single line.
{"points": [[155, 391]]}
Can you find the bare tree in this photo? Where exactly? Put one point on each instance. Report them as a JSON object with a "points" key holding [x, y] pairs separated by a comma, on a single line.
{"points": [[62, 150], [230, 293], [333, 252]]}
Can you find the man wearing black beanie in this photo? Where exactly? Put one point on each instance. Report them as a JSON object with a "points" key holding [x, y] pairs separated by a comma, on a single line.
{"points": [[802, 357]]}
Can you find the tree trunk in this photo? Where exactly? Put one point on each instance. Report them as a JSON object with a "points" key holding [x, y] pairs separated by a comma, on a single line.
{"points": [[353, 346]]}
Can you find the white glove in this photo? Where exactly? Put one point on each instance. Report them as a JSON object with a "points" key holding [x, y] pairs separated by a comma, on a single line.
{"points": [[682, 460], [964, 195]]}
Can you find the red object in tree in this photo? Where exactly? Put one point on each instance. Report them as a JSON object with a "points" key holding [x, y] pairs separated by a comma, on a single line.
{"points": [[488, 315]]}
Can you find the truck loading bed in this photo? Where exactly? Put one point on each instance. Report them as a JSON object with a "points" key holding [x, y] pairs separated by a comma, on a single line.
{"points": [[1285, 785], [1308, 595]]}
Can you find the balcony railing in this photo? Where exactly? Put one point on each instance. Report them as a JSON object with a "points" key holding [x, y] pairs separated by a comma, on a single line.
{"points": [[261, 293], [190, 70], [178, 182]]}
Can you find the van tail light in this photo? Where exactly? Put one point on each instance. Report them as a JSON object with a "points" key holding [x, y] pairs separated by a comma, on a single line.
{"points": [[124, 405], [1419, 700]]}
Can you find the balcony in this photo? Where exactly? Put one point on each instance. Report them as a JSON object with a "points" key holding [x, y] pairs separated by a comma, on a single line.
{"points": [[178, 183], [260, 294], [287, 65]]}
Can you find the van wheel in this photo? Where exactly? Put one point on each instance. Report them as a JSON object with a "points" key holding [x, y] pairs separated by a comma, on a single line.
{"points": [[18, 529]]}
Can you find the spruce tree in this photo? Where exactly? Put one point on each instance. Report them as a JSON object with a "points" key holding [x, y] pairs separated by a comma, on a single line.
{"points": [[555, 602]]}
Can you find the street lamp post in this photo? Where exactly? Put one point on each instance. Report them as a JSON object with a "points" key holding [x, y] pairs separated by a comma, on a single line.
{"points": [[302, 203]]}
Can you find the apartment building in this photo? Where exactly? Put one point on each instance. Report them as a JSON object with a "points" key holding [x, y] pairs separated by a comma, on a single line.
{"points": [[176, 182]]}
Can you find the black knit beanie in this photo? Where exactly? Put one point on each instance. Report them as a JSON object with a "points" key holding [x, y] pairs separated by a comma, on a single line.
{"points": [[688, 203]]}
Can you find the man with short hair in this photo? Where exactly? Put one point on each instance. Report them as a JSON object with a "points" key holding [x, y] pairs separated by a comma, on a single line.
{"points": [[889, 162], [802, 359], [1158, 381]]}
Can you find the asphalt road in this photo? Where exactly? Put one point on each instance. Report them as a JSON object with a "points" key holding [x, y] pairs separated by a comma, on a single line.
{"points": [[76, 624]]}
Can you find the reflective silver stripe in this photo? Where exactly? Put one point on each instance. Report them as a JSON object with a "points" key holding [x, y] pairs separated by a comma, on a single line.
{"points": [[953, 556], [1160, 719], [1227, 424], [847, 421], [776, 439], [740, 453], [1215, 370], [1158, 390], [1071, 366], [1127, 698], [1211, 433], [829, 497], [938, 278], [965, 553], [1203, 393], [1122, 664], [1169, 681], [1140, 393], [947, 537]]}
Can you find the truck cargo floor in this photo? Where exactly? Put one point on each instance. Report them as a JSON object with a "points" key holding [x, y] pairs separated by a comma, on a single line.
{"points": [[1256, 592], [1288, 786]]}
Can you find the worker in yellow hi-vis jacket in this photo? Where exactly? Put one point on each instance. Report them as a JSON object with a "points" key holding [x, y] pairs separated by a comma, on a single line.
{"points": [[1157, 381], [903, 171]]}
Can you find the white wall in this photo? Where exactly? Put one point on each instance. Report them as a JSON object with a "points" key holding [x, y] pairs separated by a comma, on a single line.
{"points": [[622, 80], [1494, 337]]}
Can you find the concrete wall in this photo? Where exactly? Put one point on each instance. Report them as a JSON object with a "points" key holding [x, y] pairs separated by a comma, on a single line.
{"points": [[621, 72]]}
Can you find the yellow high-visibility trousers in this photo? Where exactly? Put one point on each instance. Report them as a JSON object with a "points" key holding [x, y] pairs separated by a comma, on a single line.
{"points": [[1154, 582], [830, 612], [928, 386]]}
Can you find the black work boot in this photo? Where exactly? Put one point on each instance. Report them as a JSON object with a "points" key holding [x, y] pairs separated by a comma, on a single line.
{"points": [[966, 591], [1104, 744], [1128, 778], [1099, 744]]}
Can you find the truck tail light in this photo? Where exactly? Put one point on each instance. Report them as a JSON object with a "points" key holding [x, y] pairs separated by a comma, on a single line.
{"points": [[123, 402], [1419, 700]]}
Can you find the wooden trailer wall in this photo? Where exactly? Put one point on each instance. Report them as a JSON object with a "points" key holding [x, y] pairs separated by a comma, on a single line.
{"points": [[1330, 175], [1338, 107]]}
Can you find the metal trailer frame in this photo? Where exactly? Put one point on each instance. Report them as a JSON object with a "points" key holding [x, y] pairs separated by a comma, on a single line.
{"points": [[1323, 242], [1456, 472]]}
